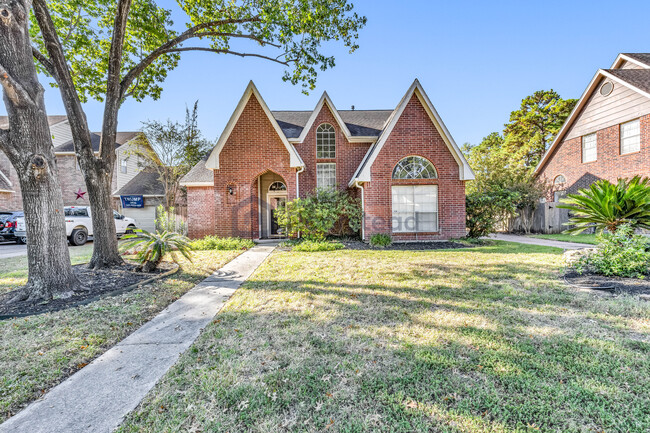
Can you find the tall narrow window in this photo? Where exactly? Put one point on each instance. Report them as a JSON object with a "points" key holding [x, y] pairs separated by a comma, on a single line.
{"points": [[589, 148], [326, 175], [123, 166], [325, 142], [630, 137]]}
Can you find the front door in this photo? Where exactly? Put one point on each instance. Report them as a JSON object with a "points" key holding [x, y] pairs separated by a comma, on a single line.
{"points": [[274, 203]]}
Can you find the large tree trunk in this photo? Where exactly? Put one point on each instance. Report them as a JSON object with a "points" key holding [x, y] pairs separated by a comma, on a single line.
{"points": [[28, 144], [105, 248]]}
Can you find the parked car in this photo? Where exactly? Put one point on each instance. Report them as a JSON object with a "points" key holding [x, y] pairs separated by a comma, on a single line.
{"points": [[8, 225], [21, 230], [79, 225]]}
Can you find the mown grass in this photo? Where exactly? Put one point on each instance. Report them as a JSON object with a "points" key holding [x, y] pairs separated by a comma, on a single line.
{"points": [[581, 238], [38, 352], [473, 340]]}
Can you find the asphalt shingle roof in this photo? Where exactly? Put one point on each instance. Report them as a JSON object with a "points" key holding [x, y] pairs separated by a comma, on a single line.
{"points": [[51, 120], [120, 139], [199, 173], [147, 182], [639, 78], [361, 123], [641, 57]]}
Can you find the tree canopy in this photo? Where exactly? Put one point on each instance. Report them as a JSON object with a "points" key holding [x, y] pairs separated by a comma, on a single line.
{"points": [[290, 33]]}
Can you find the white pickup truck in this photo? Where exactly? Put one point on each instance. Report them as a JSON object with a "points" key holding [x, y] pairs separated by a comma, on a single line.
{"points": [[79, 225]]}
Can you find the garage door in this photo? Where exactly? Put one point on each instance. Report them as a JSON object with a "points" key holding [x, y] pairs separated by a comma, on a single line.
{"points": [[145, 217]]}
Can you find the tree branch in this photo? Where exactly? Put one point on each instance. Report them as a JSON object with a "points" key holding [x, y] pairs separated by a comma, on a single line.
{"points": [[113, 87], [14, 90], [45, 62], [73, 108], [130, 76], [235, 53]]}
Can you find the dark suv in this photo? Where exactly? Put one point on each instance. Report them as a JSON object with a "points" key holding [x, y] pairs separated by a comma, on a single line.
{"points": [[8, 225]]}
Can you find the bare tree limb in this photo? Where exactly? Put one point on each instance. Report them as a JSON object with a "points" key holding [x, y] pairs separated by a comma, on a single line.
{"points": [[235, 53], [45, 62], [130, 76]]}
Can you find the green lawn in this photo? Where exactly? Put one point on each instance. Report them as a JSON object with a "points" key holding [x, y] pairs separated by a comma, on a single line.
{"points": [[581, 238], [474, 340], [38, 352]]}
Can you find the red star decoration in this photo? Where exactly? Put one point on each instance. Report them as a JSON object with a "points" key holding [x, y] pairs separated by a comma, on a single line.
{"points": [[80, 194]]}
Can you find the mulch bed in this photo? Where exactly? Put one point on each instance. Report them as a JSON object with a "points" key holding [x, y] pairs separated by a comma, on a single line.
{"points": [[407, 246], [99, 283], [614, 285]]}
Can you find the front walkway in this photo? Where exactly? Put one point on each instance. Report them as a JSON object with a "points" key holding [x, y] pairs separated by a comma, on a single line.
{"points": [[541, 242], [97, 397]]}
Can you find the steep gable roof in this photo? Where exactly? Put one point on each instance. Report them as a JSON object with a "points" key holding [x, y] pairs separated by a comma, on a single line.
{"points": [[639, 59], [637, 80], [360, 123], [251, 91], [363, 172]]}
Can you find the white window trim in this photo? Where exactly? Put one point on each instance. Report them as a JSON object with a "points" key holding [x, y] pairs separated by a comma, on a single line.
{"points": [[437, 211], [323, 164], [637, 121], [595, 147], [330, 130]]}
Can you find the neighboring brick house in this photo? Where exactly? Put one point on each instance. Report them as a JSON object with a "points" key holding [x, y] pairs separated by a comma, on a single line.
{"points": [[402, 164], [607, 136], [127, 167]]}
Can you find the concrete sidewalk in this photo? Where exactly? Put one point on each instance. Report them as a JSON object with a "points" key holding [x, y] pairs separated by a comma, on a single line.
{"points": [[541, 242], [97, 397]]}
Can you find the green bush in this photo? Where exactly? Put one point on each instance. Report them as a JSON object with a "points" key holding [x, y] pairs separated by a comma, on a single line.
{"points": [[380, 240], [486, 208], [607, 206], [621, 254], [327, 211], [217, 243], [313, 246], [152, 247]]}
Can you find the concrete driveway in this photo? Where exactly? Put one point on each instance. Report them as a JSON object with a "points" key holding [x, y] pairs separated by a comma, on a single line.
{"points": [[12, 249]]}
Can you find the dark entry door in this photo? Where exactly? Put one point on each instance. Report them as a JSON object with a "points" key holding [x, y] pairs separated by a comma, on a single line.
{"points": [[274, 203]]}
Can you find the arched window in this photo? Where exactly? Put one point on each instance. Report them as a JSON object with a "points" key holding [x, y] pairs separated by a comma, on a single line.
{"points": [[278, 186], [559, 180], [414, 167], [325, 142]]}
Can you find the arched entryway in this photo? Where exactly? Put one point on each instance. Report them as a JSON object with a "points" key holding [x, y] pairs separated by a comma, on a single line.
{"points": [[273, 194]]}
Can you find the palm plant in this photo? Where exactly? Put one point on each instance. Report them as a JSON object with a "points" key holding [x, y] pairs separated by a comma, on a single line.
{"points": [[152, 247], [606, 206]]}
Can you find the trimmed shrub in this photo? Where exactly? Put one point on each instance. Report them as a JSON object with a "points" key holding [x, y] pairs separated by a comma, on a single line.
{"points": [[327, 211], [620, 254], [217, 243], [380, 240]]}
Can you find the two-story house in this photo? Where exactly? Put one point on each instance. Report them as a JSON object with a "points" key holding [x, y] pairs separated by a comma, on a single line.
{"points": [[607, 136], [73, 187]]}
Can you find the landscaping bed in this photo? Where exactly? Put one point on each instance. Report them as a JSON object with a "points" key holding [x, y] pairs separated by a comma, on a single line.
{"points": [[407, 246], [617, 285], [96, 284]]}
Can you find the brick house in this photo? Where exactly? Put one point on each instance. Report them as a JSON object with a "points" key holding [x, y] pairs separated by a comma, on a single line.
{"points": [[402, 164], [127, 167], [607, 136]]}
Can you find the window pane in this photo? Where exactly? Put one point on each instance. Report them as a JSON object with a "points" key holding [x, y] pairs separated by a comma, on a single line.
{"points": [[414, 167], [326, 175], [630, 137], [589, 148], [325, 142], [415, 208]]}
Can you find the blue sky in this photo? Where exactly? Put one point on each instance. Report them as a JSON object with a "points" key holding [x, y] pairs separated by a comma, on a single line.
{"points": [[475, 59]]}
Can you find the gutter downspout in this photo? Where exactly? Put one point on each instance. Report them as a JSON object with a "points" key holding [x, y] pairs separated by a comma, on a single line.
{"points": [[298, 180], [363, 209]]}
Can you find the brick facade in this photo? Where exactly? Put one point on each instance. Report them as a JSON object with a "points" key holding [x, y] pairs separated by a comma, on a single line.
{"points": [[415, 134], [566, 160], [70, 178], [253, 148]]}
